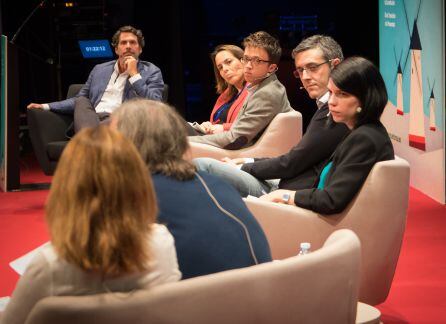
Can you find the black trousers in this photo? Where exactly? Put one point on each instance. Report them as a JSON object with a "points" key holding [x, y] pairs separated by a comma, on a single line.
{"points": [[86, 116]]}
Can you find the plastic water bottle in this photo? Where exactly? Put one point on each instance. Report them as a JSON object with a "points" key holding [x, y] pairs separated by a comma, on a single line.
{"points": [[304, 248]]}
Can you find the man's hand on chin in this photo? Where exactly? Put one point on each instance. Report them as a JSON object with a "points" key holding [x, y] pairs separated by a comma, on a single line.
{"points": [[130, 64]]}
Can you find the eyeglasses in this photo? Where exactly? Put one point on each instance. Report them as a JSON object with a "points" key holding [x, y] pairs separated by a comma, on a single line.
{"points": [[254, 60], [310, 68]]}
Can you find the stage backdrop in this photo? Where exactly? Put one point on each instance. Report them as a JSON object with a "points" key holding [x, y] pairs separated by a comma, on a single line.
{"points": [[9, 118], [3, 98], [412, 62]]}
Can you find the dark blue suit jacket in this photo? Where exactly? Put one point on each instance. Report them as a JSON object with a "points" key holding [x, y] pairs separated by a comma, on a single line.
{"points": [[299, 168], [150, 86], [206, 239]]}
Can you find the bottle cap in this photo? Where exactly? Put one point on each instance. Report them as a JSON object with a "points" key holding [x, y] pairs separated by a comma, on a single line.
{"points": [[305, 245]]}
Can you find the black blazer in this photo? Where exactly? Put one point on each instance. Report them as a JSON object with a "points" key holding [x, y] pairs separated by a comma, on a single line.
{"points": [[299, 168], [352, 162]]}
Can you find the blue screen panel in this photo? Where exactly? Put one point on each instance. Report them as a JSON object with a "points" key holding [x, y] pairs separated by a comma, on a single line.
{"points": [[99, 48]]}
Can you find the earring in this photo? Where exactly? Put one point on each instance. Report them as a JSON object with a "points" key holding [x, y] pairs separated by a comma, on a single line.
{"points": [[358, 110]]}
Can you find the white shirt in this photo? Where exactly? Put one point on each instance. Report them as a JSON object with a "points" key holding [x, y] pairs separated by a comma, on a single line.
{"points": [[322, 100], [48, 275], [112, 97]]}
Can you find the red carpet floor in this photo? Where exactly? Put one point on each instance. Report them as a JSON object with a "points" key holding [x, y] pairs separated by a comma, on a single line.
{"points": [[418, 293], [22, 225]]}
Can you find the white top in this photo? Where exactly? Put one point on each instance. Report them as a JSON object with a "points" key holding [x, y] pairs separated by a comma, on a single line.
{"points": [[47, 275], [323, 100], [112, 97]]}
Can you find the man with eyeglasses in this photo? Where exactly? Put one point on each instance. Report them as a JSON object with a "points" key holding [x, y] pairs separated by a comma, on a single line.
{"points": [[298, 169], [266, 95]]}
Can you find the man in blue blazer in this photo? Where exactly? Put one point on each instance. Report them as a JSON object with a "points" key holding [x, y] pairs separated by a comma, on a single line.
{"points": [[111, 83]]}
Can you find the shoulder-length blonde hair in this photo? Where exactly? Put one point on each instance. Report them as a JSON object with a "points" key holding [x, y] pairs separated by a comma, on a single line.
{"points": [[159, 134], [221, 84], [102, 204]]}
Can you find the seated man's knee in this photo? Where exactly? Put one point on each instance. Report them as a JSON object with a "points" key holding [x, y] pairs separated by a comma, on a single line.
{"points": [[203, 164]]}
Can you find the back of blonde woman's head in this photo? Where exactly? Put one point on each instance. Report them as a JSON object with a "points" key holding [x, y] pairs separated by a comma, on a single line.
{"points": [[159, 134], [102, 204]]}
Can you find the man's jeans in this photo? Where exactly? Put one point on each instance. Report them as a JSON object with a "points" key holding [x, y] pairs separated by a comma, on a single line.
{"points": [[245, 183]]}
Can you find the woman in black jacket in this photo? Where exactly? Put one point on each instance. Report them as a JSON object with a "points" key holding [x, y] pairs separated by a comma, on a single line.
{"points": [[357, 98]]}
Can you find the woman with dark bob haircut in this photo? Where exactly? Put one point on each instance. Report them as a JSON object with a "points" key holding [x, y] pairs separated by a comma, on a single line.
{"points": [[357, 98]]}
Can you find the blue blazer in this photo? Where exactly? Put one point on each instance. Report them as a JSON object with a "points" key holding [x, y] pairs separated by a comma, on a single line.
{"points": [[206, 239], [150, 86]]}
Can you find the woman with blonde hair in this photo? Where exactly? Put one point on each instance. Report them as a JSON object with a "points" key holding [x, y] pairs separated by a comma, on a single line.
{"points": [[212, 227], [101, 214], [230, 85]]}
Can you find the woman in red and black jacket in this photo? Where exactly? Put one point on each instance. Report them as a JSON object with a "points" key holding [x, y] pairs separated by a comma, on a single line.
{"points": [[230, 84]]}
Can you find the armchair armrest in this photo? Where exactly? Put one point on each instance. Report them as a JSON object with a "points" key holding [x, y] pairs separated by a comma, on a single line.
{"points": [[46, 127], [284, 132], [377, 215], [287, 226]]}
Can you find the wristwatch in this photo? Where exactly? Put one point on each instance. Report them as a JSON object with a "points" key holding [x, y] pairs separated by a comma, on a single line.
{"points": [[286, 198]]}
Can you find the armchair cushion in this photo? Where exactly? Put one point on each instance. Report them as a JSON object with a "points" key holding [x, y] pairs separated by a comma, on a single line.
{"points": [[320, 287], [55, 149], [284, 132], [377, 215], [46, 128]]}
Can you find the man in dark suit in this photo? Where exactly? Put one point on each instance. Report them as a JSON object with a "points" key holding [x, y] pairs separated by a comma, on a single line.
{"points": [[314, 58], [111, 83]]}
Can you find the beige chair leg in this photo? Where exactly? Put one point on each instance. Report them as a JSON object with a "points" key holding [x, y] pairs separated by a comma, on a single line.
{"points": [[367, 314]]}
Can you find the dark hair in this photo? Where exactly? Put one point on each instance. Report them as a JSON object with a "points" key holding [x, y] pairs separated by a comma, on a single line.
{"points": [[361, 78], [329, 47], [222, 85], [262, 39], [128, 29]]}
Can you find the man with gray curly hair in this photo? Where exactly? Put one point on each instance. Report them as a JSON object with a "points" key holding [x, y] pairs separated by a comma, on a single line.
{"points": [[111, 83]]}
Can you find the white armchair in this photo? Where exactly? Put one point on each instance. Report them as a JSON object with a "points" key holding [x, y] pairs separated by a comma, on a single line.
{"points": [[377, 215], [284, 132], [321, 287]]}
